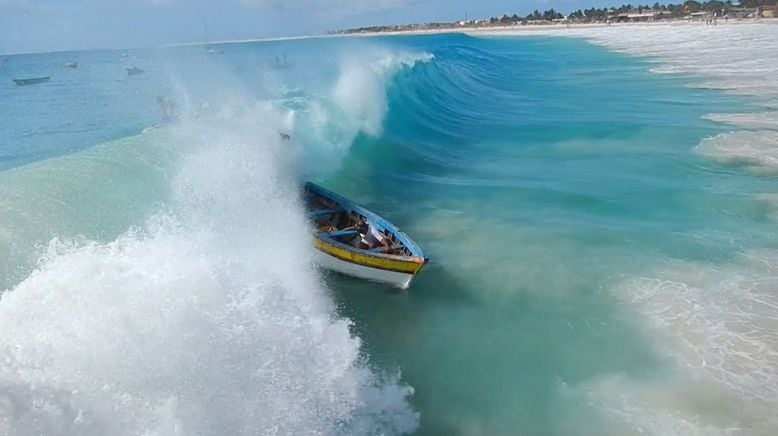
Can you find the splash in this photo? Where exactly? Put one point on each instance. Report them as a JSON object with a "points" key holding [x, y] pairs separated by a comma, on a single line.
{"points": [[356, 104], [205, 318], [361, 86], [719, 325]]}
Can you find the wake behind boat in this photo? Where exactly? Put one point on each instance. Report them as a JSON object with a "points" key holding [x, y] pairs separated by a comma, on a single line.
{"points": [[353, 240], [31, 80]]}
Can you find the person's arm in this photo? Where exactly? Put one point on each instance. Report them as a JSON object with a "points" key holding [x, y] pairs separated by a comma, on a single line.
{"points": [[387, 245]]}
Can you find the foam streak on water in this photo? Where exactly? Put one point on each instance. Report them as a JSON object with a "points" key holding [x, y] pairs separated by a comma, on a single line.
{"points": [[719, 324]]}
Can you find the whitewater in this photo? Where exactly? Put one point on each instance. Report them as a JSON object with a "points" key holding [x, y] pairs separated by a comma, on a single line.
{"points": [[598, 204], [202, 313]]}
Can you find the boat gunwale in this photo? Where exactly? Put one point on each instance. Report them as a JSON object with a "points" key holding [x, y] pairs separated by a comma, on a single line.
{"points": [[322, 236], [404, 266]]}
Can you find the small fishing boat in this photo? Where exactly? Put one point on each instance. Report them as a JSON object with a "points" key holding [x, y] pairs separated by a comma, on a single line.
{"points": [[342, 241], [133, 71], [70, 65], [32, 80]]}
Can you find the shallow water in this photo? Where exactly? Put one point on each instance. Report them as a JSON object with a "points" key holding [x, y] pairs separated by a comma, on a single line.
{"points": [[593, 272]]}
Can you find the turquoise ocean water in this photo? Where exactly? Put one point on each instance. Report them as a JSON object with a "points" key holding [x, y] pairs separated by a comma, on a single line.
{"points": [[157, 272]]}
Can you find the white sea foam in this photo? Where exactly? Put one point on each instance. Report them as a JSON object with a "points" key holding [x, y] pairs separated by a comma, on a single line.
{"points": [[758, 149], [208, 318], [720, 323], [771, 201], [672, 406], [361, 86], [356, 103], [758, 120]]}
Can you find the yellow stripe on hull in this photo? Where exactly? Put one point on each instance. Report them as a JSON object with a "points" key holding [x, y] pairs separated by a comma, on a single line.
{"points": [[380, 262]]}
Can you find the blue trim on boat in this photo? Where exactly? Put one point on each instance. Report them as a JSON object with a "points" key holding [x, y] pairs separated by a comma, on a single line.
{"points": [[321, 212], [340, 233]]}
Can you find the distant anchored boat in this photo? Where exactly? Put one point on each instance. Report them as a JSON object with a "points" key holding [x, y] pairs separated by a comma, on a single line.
{"points": [[133, 71], [31, 80], [70, 65], [352, 240]]}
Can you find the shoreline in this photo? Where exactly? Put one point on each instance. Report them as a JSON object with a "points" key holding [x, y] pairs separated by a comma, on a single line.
{"points": [[561, 28], [467, 30], [491, 30]]}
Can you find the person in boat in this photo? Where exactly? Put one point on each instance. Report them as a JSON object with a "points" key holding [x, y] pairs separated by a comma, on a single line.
{"points": [[370, 237]]}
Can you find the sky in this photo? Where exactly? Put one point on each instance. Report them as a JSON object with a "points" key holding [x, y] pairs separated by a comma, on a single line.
{"points": [[52, 25]]}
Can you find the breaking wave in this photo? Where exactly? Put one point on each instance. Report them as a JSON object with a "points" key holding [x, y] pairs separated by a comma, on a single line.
{"points": [[165, 286]]}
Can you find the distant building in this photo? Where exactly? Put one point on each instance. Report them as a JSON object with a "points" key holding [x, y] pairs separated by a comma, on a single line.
{"points": [[738, 12], [699, 16], [641, 15]]}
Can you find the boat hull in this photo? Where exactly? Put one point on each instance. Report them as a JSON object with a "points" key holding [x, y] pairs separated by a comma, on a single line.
{"points": [[31, 81], [394, 278]]}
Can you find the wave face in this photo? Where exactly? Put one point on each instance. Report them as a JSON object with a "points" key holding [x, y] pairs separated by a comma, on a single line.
{"points": [[161, 283]]}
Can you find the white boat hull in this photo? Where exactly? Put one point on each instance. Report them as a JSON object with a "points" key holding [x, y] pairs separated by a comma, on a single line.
{"points": [[332, 263]]}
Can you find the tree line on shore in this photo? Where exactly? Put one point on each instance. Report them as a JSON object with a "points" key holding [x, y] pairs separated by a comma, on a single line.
{"points": [[670, 10]]}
